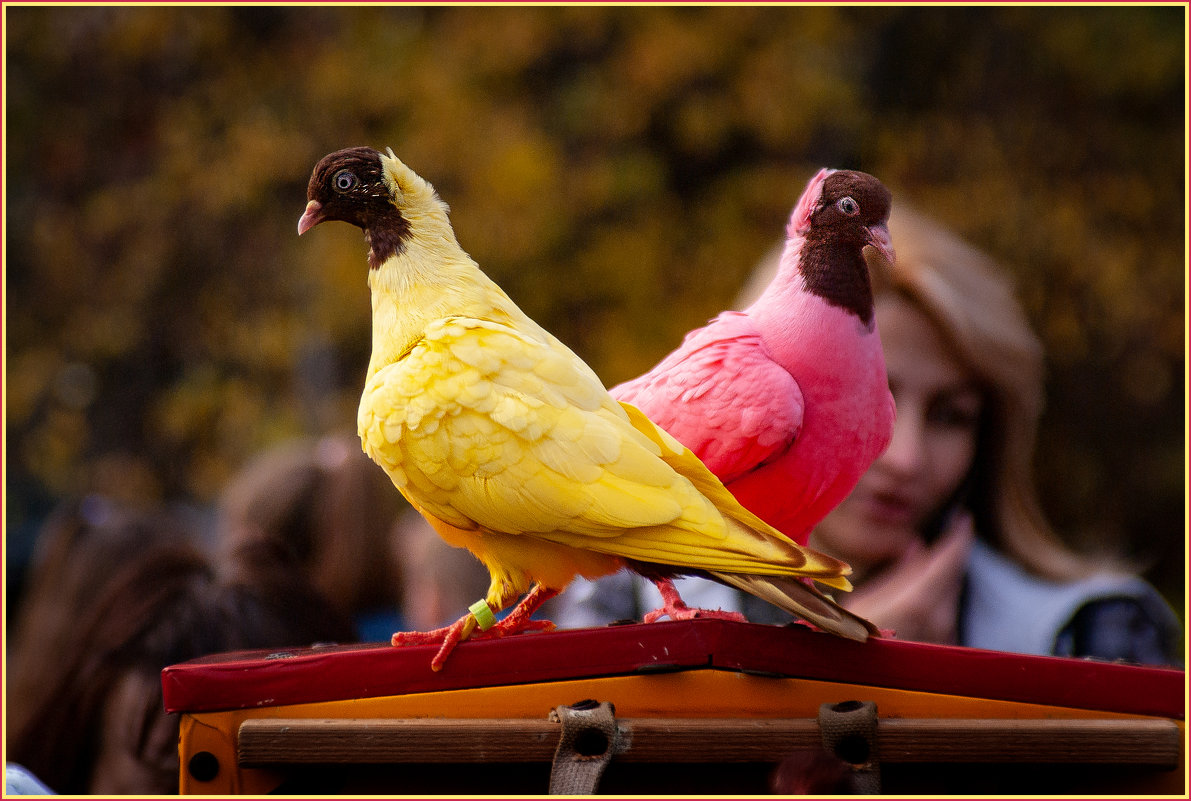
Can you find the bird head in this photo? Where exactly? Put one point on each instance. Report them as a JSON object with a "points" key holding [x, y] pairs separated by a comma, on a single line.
{"points": [[846, 206], [839, 214], [373, 191], [854, 207]]}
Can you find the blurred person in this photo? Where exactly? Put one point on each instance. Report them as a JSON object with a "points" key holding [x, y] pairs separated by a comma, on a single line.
{"points": [[944, 532], [81, 543], [92, 718], [323, 507], [440, 579]]}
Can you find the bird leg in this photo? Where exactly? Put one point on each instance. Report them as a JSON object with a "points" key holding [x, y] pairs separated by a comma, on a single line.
{"points": [[676, 609], [517, 621]]}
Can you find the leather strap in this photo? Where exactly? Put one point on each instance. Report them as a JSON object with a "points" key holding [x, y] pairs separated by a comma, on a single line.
{"points": [[849, 730], [589, 738]]}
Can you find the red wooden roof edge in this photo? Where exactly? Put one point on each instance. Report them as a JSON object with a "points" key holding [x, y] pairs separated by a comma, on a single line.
{"points": [[291, 676]]}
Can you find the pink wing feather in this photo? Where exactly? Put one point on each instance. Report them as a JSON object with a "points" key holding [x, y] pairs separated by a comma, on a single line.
{"points": [[721, 395]]}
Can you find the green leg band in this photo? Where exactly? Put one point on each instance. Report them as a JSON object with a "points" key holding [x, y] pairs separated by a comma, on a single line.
{"points": [[483, 614]]}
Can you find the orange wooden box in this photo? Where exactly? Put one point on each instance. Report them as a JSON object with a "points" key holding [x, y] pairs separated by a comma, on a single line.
{"points": [[712, 706]]}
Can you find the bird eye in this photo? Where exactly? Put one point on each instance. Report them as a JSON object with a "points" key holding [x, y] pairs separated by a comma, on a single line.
{"points": [[848, 206], [345, 180]]}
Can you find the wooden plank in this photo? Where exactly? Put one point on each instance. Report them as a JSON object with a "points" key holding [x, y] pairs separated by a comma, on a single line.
{"points": [[278, 741], [1117, 741], [264, 741]]}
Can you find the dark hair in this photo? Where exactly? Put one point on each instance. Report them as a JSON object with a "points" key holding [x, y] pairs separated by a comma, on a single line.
{"points": [[163, 606], [81, 545], [325, 507]]}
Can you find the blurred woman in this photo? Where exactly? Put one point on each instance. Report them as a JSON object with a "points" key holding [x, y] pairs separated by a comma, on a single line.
{"points": [[944, 532]]}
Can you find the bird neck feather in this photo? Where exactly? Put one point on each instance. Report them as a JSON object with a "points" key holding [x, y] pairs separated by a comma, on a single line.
{"points": [[835, 273], [431, 278], [794, 316]]}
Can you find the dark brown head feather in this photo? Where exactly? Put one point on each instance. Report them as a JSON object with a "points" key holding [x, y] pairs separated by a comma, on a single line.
{"points": [[832, 260], [350, 186]]}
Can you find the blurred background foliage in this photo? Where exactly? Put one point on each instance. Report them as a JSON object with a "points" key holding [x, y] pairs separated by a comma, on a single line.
{"points": [[619, 170]]}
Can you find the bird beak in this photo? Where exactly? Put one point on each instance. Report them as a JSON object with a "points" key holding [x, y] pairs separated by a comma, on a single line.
{"points": [[878, 237], [311, 217]]}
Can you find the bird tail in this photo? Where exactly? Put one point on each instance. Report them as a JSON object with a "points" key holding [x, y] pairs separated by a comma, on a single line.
{"points": [[798, 598], [791, 591]]}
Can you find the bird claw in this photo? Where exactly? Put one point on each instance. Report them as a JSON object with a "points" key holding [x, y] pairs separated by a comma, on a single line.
{"points": [[500, 630], [688, 613], [517, 622], [459, 631], [676, 609], [402, 638], [448, 636]]}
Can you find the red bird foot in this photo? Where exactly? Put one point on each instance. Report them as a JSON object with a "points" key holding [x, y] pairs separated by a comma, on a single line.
{"points": [[676, 609], [516, 622]]}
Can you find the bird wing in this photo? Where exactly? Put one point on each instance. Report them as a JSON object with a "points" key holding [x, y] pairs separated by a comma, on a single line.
{"points": [[489, 427], [723, 396]]}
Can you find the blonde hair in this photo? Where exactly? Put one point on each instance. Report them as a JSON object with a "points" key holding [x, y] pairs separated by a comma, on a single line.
{"points": [[971, 299]]}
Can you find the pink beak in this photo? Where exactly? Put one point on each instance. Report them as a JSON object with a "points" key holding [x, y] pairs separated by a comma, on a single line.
{"points": [[878, 237], [311, 217]]}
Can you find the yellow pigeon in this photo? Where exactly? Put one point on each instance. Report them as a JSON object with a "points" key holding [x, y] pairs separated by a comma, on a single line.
{"points": [[510, 446]]}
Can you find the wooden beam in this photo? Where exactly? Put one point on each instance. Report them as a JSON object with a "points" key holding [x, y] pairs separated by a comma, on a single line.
{"points": [[274, 741]]}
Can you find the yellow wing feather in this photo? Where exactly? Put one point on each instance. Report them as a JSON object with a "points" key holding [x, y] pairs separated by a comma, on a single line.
{"points": [[489, 428]]}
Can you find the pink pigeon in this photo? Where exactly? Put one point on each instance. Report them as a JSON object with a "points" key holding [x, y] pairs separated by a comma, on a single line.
{"points": [[787, 402]]}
